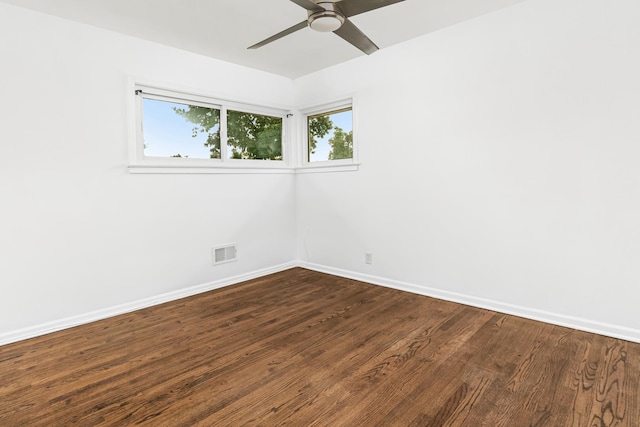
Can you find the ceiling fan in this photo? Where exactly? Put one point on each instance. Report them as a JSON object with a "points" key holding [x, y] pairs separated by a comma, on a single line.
{"points": [[326, 16]]}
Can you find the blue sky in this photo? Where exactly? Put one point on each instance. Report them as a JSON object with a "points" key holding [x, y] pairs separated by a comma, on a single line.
{"points": [[167, 133]]}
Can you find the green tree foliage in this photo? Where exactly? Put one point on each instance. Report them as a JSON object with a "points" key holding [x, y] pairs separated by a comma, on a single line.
{"points": [[249, 136], [319, 127], [207, 121], [341, 144], [253, 136]]}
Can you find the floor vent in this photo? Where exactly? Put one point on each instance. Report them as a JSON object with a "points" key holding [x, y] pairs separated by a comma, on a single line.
{"points": [[222, 254]]}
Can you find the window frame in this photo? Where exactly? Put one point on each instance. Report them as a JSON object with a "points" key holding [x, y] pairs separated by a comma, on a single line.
{"points": [[139, 163], [307, 166]]}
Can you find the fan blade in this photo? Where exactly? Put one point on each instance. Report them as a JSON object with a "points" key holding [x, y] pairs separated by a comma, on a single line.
{"points": [[353, 35], [281, 34], [309, 5], [356, 7]]}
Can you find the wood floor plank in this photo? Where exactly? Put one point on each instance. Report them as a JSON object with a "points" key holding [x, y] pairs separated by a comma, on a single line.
{"points": [[302, 348]]}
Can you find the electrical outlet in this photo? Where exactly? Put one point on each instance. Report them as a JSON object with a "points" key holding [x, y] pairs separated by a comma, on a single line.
{"points": [[368, 257]]}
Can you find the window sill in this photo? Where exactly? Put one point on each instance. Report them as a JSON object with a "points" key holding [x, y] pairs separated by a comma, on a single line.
{"points": [[218, 169], [156, 169], [328, 167]]}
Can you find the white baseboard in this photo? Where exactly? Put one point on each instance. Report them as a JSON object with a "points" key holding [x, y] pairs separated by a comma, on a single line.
{"points": [[581, 324], [70, 322], [578, 323]]}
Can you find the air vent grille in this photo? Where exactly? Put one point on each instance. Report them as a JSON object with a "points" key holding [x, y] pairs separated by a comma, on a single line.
{"points": [[222, 254]]}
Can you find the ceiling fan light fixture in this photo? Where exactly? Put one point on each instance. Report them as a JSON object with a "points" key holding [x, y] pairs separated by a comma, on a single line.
{"points": [[333, 16], [330, 19]]}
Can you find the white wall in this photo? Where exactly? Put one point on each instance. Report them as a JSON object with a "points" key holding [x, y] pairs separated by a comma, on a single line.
{"points": [[79, 233], [499, 162]]}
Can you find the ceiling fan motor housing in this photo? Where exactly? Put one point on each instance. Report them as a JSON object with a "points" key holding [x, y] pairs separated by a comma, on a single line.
{"points": [[329, 19]]}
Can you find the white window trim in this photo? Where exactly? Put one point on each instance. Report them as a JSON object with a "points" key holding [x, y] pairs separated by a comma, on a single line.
{"points": [[343, 165], [139, 163], [294, 150]]}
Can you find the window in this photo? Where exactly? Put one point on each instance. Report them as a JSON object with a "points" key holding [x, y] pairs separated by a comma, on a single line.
{"points": [[173, 129], [329, 136], [253, 136], [181, 130]]}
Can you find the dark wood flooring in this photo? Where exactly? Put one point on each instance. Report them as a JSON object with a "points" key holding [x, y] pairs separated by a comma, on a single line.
{"points": [[301, 348]]}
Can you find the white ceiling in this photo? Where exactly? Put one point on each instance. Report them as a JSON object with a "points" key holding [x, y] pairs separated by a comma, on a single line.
{"points": [[223, 29]]}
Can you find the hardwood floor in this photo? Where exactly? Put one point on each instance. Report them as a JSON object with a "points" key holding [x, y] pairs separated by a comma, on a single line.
{"points": [[302, 348]]}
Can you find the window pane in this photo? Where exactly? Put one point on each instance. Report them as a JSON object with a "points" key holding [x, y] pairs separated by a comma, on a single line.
{"points": [[254, 136], [331, 135], [180, 130]]}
